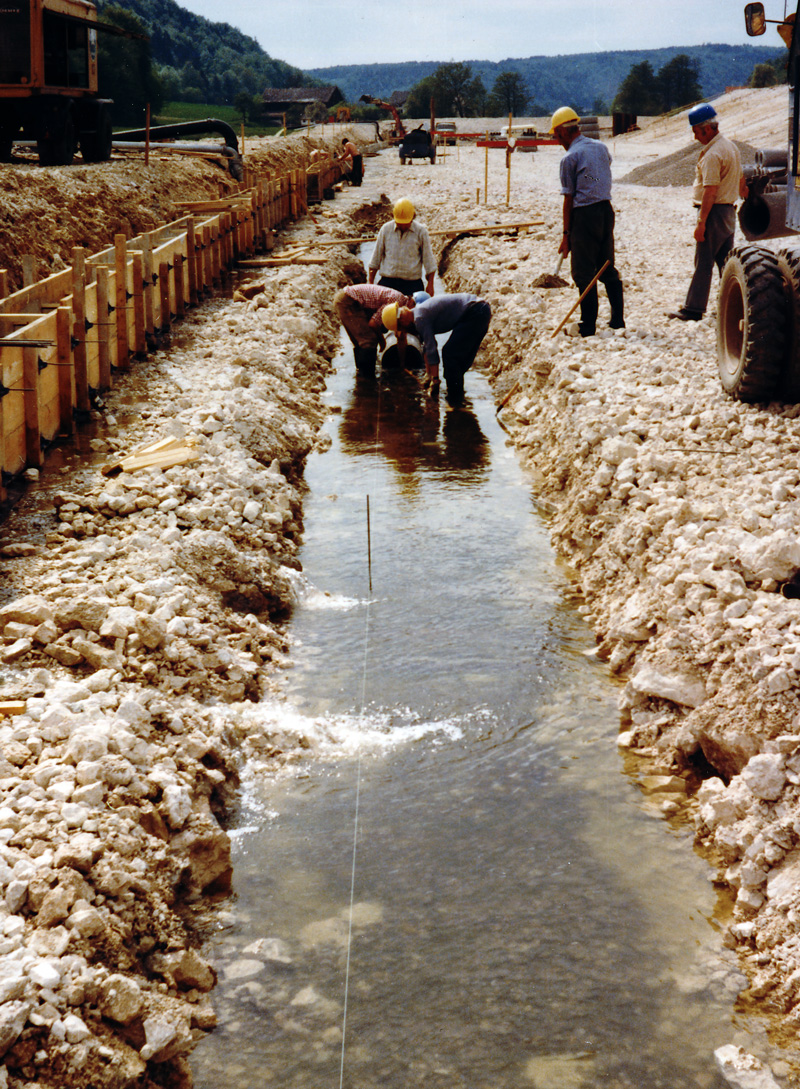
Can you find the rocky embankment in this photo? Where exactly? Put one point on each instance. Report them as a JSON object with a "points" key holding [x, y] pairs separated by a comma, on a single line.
{"points": [[136, 608]]}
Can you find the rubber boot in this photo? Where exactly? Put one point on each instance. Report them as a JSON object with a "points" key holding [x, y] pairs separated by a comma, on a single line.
{"points": [[615, 298], [365, 361], [455, 388], [588, 322]]}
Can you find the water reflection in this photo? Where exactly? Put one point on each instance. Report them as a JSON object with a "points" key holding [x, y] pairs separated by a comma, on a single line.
{"points": [[393, 417]]}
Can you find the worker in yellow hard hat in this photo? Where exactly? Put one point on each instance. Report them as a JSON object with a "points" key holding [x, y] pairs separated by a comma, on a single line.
{"points": [[403, 252], [588, 219]]}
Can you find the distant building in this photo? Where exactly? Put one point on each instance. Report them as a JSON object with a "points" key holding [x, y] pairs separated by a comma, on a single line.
{"points": [[280, 99]]}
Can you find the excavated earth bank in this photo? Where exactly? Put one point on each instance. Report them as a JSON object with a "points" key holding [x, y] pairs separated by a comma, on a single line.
{"points": [[140, 612]]}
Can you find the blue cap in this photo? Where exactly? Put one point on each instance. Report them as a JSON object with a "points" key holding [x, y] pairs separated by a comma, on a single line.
{"points": [[420, 296], [698, 115]]}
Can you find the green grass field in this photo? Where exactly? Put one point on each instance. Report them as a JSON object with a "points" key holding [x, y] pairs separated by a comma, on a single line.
{"points": [[173, 112]]}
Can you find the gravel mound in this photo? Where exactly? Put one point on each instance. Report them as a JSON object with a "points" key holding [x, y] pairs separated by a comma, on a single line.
{"points": [[679, 167]]}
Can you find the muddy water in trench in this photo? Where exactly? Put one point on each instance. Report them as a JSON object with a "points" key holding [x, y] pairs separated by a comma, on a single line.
{"points": [[520, 917]]}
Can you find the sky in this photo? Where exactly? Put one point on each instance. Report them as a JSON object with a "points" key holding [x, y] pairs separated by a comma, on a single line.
{"points": [[323, 33]]}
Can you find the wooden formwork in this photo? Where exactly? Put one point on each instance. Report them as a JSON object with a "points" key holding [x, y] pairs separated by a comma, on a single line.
{"points": [[62, 338]]}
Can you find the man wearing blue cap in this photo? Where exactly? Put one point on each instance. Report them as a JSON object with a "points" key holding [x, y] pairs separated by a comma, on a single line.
{"points": [[717, 185]]}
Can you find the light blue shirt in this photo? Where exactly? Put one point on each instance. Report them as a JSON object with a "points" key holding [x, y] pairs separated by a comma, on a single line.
{"points": [[439, 315], [586, 172]]}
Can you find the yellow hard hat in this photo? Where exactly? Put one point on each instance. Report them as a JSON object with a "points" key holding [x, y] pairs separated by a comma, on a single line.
{"points": [[562, 115], [403, 210], [389, 317]]}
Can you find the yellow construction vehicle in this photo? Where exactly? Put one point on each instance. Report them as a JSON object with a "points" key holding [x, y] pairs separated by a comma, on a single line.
{"points": [[48, 80]]}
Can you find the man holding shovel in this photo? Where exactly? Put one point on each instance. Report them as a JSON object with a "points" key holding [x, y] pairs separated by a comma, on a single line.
{"points": [[588, 219]]}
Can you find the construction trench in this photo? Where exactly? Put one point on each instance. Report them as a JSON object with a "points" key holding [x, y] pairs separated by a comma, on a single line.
{"points": [[674, 509]]}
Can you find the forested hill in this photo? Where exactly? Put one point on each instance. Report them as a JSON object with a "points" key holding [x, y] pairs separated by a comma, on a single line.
{"points": [[214, 59], [578, 78]]}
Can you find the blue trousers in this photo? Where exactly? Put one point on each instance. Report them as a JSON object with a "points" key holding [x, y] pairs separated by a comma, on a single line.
{"points": [[462, 345]]}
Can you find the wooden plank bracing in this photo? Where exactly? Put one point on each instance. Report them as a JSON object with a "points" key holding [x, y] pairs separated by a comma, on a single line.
{"points": [[63, 337]]}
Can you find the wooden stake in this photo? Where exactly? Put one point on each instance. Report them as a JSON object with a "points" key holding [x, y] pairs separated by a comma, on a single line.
{"points": [[66, 424], [34, 455], [121, 299], [3, 283], [103, 327], [79, 329], [581, 297]]}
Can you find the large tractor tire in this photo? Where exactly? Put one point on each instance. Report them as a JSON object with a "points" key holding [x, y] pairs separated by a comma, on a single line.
{"points": [[96, 139], [57, 148], [789, 386], [752, 318]]}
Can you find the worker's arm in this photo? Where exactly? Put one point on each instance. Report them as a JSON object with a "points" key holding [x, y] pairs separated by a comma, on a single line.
{"points": [[566, 214], [371, 275], [744, 188], [429, 283], [707, 203]]}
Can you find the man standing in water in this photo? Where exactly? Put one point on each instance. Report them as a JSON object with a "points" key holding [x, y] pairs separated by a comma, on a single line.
{"points": [[588, 218], [402, 252], [464, 316]]}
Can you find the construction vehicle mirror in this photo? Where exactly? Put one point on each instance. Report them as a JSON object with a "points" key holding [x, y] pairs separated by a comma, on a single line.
{"points": [[754, 20]]}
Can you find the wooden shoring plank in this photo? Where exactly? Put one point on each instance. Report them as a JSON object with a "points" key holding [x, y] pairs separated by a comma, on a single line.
{"points": [[164, 297], [34, 298], [216, 263], [103, 328], [34, 457], [139, 321], [49, 377], [12, 377], [148, 288], [3, 495], [260, 220], [121, 300], [161, 461], [3, 282], [79, 329], [65, 369], [282, 262], [224, 205], [229, 221], [191, 260]]}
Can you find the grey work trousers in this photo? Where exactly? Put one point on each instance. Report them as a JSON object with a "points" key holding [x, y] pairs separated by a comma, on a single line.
{"points": [[713, 250]]}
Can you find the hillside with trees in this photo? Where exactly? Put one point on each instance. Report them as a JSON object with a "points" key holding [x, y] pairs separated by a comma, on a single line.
{"points": [[193, 59], [589, 81]]}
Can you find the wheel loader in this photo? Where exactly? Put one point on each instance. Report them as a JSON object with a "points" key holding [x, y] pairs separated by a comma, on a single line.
{"points": [[758, 310], [48, 80]]}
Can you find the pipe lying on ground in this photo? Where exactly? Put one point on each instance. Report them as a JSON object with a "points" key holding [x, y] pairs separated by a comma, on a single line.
{"points": [[762, 217], [413, 357]]}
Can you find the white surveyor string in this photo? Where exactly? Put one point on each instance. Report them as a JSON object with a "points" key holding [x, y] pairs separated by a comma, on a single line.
{"points": [[358, 771]]}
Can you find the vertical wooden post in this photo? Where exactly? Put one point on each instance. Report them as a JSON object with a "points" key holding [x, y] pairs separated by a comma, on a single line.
{"points": [[147, 135], [2, 436], [30, 380], [180, 297], [121, 299], [259, 215], [191, 259], [163, 288], [103, 327], [216, 263], [79, 329], [28, 270], [148, 280], [486, 170], [139, 324], [66, 422], [3, 283], [208, 274]]}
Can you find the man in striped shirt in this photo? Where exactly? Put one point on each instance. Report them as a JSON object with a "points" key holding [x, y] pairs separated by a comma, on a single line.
{"points": [[403, 252], [359, 307]]}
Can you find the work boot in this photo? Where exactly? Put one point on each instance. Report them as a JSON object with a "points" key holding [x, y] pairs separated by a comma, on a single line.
{"points": [[686, 315], [615, 298]]}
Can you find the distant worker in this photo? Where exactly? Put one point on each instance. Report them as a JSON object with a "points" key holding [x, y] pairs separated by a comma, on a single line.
{"points": [[359, 307], [352, 161], [718, 182], [588, 218], [464, 316], [402, 252]]}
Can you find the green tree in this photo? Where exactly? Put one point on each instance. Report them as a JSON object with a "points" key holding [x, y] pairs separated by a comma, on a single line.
{"points": [[453, 89], [509, 94], [639, 92], [418, 103], [763, 75], [125, 69], [678, 82]]}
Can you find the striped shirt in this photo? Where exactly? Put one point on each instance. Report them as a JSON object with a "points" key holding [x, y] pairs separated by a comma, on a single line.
{"points": [[403, 254]]}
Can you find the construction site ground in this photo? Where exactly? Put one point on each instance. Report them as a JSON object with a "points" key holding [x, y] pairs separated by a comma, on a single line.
{"points": [[677, 509]]}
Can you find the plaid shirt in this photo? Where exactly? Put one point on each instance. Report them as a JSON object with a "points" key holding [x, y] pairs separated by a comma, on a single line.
{"points": [[403, 254], [374, 297]]}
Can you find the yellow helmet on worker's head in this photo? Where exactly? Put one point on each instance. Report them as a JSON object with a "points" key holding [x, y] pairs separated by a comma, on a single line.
{"points": [[389, 317], [562, 115], [403, 210]]}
